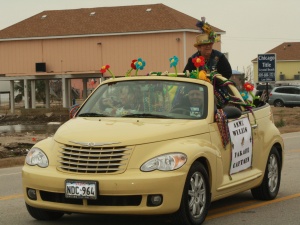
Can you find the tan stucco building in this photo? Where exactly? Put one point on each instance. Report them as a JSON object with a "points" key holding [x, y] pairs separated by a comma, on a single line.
{"points": [[73, 44]]}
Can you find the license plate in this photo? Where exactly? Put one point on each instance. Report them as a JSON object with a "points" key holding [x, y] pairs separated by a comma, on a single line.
{"points": [[81, 189]]}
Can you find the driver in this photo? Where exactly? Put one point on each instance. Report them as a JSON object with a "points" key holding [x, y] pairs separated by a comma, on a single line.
{"points": [[195, 98], [192, 102]]}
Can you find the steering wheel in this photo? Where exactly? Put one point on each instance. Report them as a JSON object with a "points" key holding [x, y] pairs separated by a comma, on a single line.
{"points": [[180, 111]]}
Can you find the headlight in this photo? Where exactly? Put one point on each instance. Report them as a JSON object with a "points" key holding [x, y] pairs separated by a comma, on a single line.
{"points": [[167, 162], [36, 157]]}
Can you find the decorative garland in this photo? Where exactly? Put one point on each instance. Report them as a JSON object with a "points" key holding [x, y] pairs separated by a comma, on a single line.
{"points": [[220, 87], [222, 123]]}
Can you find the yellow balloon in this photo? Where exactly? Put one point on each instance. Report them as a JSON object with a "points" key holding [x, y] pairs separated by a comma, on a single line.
{"points": [[202, 76]]}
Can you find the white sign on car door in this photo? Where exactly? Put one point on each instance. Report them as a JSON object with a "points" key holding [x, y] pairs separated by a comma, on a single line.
{"points": [[241, 145]]}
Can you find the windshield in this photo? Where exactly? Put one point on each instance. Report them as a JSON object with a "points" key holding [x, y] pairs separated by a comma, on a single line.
{"points": [[147, 99]]}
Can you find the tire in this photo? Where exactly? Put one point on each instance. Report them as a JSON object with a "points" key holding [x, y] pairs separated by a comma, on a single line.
{"points": [[195, 199], [269, 187], [41, 214], [278, 103]]}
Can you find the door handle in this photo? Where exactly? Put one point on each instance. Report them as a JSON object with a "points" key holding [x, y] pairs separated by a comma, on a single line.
{"points": [[254, 126]]}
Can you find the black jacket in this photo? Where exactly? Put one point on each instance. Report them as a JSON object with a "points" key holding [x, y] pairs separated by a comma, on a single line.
{"points": [[217, 61]]}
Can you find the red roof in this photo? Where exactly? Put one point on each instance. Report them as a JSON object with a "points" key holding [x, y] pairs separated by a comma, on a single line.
{"points": [[287, 51]]}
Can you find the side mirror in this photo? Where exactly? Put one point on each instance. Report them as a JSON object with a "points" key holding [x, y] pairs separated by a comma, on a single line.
{"points": [[73, 110]]}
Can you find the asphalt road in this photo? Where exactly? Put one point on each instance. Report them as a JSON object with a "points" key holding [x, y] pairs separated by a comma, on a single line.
{"points": [[235, 210]]}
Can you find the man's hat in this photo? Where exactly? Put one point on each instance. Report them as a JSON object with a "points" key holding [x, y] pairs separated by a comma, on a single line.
{"points": [[202, 39], [207, 35]]}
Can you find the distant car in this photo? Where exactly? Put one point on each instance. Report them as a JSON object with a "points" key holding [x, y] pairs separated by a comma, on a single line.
{"points": [[285, 96]]}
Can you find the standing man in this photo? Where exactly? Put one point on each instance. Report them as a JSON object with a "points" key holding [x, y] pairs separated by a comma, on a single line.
{"points": [[214, 60]]}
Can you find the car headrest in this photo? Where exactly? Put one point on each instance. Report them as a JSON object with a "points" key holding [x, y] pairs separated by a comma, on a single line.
{"points": [[232, 112]]}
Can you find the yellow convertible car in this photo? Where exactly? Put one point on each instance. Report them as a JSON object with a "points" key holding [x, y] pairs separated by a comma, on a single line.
{"points": [[152, 145]]}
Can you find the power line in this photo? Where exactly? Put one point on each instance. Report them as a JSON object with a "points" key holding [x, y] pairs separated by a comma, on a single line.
{"points": [[258, 39]]}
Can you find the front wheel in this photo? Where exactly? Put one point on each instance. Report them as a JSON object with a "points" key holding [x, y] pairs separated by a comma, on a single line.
{"points": [[278, 103], [269, 187], [196, 197], [42, 214]]}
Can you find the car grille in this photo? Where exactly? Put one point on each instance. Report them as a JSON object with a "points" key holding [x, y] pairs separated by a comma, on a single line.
{"points": [[82, 159]]}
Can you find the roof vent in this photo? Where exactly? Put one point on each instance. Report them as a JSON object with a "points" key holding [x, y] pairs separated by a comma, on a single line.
{"points": [[43, 16], [92, 13], [148, 10]]}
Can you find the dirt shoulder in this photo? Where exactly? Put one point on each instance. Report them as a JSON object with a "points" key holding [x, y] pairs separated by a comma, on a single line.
{"points": [[287, 119], [32, 119], [14, 146]]}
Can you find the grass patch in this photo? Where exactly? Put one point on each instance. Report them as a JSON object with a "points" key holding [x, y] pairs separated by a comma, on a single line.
{"points": [[280, 123], [13, 161]]}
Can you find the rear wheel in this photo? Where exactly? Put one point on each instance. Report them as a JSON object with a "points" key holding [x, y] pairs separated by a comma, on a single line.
{"points": [[278, 103], [269, 187], [195, 197], [42, 214]]}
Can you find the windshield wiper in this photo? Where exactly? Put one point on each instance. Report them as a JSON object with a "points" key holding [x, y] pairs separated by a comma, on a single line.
{"points": [[92, 115], [147, 115]]}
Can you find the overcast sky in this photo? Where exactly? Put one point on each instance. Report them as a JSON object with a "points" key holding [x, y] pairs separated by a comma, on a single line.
{"points": [[252, 26]]}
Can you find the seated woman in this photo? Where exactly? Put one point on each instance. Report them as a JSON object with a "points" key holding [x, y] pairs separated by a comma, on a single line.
{"points": [[128, 104]]}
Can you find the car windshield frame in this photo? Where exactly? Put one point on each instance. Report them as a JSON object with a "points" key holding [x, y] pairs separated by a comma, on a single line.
{"points": [[158, 99]]}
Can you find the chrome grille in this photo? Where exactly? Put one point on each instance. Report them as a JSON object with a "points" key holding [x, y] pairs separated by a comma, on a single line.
{"points": [[82, 159]]}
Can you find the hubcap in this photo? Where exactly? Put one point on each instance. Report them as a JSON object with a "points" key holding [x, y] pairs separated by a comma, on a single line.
{"points": [[197, 195], [273, 173], [279, 104]]}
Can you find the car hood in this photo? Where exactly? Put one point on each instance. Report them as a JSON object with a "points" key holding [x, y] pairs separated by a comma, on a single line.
{"points": [[127, 131]]}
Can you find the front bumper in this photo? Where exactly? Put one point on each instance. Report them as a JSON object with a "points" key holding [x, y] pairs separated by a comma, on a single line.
{"points": [[125, 193]]}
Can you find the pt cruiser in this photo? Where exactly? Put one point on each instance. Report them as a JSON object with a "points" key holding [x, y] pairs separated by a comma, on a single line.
{"points": [[151, 145]]}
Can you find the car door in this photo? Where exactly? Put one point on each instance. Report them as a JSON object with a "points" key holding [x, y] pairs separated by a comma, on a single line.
{"points": [[236, 165], [238, 158], [294, 97], [288, 95], [297, 96]]}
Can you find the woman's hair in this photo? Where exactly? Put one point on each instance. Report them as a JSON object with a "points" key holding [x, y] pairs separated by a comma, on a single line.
{"points": [[134, 92]]}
